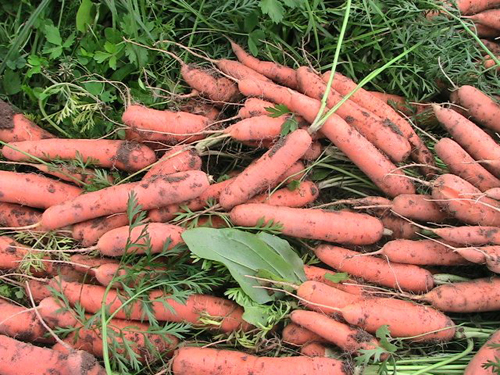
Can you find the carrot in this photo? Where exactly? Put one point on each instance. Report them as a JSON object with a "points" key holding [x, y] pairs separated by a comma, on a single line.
{"points": [[465, 297], [156, 192], [87, 264], [493, 193], [423, 253], [105, 274], [148, 124], [492, 46], [332, 226], [15, 127], [88, 232], [239, 71], [476, 6], [11, 253], [55, 314], [279, 73], [489, 18], [418, 207], [462, 164], [267, 170], [227, 313], [21, 323], [77, 176], [14, 215], [473, 139], [175, 160], [489, 352], [323, 298], [30, 360], [387, 137], [301, 196], [365, 99], [124, 155], [320, 274], [143, 344], [489, 255], [313, 152], [490, 63], [376, 270], [404, 319], [370, 160], [157, 235], [254, 107], [208, 361], [315, 349], [347, 338], [39, 289], [484, 31], [256, 128], [481, 107], [37, 191], [210, 221], [469, 235], [198, 107], [297, 335], [400, 228], [464, 202]]}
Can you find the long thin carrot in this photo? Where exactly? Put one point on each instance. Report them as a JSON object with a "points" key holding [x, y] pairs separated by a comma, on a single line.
{"points": [[323, 298]]}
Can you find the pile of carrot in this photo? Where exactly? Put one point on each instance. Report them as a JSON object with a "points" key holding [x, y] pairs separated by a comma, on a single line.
{"points": [[379, 257]]}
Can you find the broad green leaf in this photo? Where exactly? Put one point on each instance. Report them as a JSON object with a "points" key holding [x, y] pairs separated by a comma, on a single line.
{"points": [[383, 334], [337, 278], [101, 56], [255, 315], [293, 185], [290, 125], [84, 15], [11, 82], [274, 9], [95, 88], [244, 253], [69, 42], [254, 50], [52, 34], [278, 110], [251, 21]]}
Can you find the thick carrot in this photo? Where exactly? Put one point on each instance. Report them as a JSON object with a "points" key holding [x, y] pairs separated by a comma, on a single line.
{"points": [[55, 314], [418, 207], [37, 191], [254, 107], [489, 18], [14, 215], [385, 112], [376, 270], [202, 108], [323, 298], [464, 202], [279, 73], [208, 361], [157, 235], [30, 360], [356, 147], [423, 253], [39, 289], [489, 352], [89, 232], [175, 160], [301, 196], [218, 89], [124, 155], [320, 274], [489, 255], [332, 226], [404, 319], [313, 152], [165, 126], [75, 175], [156, 192], [469, 235], [11, 253], [400, 228], [267, 170], [386, 136], [473, 139], [15, 127], [466, 297], [476, 6], [462, 164], [21, 323], [256, 128], [227, 314], [347, 338], [314, 349], [297, 335]]}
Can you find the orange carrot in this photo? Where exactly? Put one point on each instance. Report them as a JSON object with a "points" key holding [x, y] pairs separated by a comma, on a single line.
{"points": [[267, 170], [21, 323], [14, 215], [87, 264], [239, 71], [484, 31], [114, 242], [376, 166], [493, 193], [320, 274], [175, 160], [492, 46], [186, 361], [323, 298], [37, 191], [165, 126], [481, 107], [423, 253], [156, 192], [462, 164], [30, 359], [254, 107], [348, 339], [218, 89], [465, 297], [332, 226], [107, 273], [315, 349], [201, 108], [473, 139], [11, 253], [400, 228], [296, 335], [469, 235], [256, 128], [227, 313], [404, 319], [490, 18], [15, 127], [301, 196], [489, 255], [476, 6], [55, 314], [376, 270], [489, 352], [388, 139], [464, 202], [89, 232], [39, 289], [77, 176], [418, 207], [313, 152]]}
